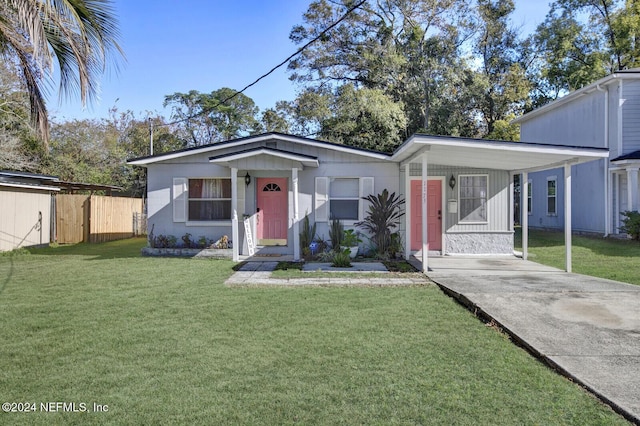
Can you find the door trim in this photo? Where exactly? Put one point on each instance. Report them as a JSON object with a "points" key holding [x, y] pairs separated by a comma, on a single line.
{"points": [[273, 241], [443, 196]]}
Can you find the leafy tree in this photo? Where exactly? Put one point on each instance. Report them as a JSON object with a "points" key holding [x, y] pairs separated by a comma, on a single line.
{"points": [[307, 112], [273, 121], [406, 49], [16, 132], [80, 36], [584, 40], [366, 118], [501, 81], [221, 115]]}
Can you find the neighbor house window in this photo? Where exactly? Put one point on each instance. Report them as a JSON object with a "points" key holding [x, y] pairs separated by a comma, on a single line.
{"points": [[551, 196], [209, 199], [473, 198], [344, 195], [529, 197]]}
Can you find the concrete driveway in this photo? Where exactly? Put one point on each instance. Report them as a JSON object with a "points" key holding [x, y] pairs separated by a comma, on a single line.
{"points": [[588, 328]]}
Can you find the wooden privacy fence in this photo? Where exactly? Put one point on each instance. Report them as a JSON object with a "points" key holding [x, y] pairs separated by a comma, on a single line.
{"points": [[96, 219]]}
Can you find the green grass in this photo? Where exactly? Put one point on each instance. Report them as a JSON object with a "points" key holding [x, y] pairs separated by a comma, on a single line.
{"points": [[163, 341], [609, 258]]}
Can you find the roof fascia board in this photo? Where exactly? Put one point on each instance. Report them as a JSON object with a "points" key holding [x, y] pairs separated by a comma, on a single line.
{"points": [[259, 138], [25, 186], [515, 147]]}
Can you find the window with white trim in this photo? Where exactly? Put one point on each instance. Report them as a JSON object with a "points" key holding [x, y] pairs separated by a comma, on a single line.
{"points": [[552, 196], [209, 199], [341, 198], [473, 198], [344, 198], [529, 196]]}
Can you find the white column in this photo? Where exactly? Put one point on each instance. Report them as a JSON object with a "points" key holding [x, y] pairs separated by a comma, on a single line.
{"points": [[618, 202], [609, 200], [407, 213], [511, 202], [524, 213], [567, 216], [632, 188], [296, 218], [234, 214], [425, 236]]}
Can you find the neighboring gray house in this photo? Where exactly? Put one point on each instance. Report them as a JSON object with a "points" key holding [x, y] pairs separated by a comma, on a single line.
{"points": [[458, 191], [605, 114]]}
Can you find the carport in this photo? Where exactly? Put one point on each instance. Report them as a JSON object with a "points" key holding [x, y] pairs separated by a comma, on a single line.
{"points": [[514, 157]]}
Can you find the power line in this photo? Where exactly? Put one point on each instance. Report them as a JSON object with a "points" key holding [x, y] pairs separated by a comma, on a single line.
{"points": [[300, 50]]}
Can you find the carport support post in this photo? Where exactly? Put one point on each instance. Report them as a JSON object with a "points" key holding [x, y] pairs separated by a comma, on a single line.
{"points": [[296, 219], [234, 214], [524, 214], [567, 216], [425, 241]]}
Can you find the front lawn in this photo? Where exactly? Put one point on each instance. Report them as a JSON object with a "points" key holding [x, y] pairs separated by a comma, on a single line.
{"points": [[610, 258], [164, 341]]}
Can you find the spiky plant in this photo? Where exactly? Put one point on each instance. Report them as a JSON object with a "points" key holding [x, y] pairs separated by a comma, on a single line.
{"points": [[383, 215]]}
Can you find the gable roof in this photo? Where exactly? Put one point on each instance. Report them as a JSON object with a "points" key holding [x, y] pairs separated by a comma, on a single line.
{"points": [[211, 148], [305, 160], [630, 74]]}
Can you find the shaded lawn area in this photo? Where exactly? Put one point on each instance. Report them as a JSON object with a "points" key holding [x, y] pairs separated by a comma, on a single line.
{"points": [[610, 258], [162, 340]]}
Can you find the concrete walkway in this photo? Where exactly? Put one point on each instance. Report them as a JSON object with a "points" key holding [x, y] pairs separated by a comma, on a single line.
{"points": [[259, 273], [587, 328]]}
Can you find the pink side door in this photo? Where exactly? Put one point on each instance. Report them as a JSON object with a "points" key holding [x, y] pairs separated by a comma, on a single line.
{"points": [[434, 214]]}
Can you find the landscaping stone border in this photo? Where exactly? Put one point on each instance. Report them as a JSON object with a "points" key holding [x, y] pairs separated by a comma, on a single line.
{"points": [[188, 252]]}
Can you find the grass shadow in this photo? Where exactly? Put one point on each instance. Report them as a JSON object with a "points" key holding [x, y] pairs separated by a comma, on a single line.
{"points": [[599, 245]]}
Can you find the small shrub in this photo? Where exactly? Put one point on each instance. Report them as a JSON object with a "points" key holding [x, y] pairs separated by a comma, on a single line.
{"points": [[350, 238], [186, 240], [631, 224], [16, 252], [341, 259], [165, 241], [203, 242]]}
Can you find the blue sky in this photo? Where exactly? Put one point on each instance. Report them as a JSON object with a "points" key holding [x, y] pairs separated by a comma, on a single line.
{"points": [[176, 46]]}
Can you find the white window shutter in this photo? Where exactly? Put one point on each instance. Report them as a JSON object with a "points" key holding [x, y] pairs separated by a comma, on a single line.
{"points": [[180, 195], [366, 189], [322, 199]]}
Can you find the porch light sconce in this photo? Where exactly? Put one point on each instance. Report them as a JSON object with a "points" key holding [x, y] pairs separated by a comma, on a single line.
{"points": [[452, 182], [247, 179]]}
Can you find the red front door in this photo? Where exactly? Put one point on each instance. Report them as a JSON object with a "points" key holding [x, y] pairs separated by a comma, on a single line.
{"points": [[434, 214], [273, 208]]}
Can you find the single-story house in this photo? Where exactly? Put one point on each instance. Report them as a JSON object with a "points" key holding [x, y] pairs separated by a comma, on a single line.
{"points": [[604, 115], [25, 209], [458, 191]]}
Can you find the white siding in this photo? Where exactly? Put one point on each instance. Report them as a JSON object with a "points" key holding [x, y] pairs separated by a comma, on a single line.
{"points": [[497, 198], [578, 123]]}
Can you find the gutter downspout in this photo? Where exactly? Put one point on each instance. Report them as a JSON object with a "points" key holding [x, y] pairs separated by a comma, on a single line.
{"points": [[607, 200]]}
